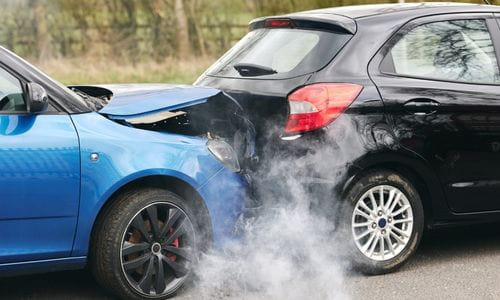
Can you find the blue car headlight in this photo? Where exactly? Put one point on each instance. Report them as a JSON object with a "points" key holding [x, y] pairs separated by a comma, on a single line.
{"points": [[225, 154]]}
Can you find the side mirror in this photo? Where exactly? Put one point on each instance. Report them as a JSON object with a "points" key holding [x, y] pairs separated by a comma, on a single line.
{"points": [[38, 100]]}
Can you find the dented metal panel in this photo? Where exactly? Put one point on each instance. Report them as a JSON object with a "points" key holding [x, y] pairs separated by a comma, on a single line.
{"points": [[131, 100]]}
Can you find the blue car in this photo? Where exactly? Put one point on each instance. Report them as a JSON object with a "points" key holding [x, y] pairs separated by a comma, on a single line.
{"points": [[133, 181]]}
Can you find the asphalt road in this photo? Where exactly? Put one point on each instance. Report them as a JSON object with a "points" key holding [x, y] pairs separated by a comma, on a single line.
{"points": [[460, 263]]}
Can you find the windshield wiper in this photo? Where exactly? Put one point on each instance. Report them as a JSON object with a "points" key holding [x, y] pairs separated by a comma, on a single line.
{"points": [[253, 70]]}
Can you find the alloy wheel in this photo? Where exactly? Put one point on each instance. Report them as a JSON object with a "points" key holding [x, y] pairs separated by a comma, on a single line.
{"points": [[158, 249], [382, 222]]}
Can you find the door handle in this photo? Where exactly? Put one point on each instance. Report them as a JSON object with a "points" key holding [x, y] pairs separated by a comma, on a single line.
{"points": [[421, 106]]}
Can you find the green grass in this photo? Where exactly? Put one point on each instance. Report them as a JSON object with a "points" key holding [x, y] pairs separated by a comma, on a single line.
{"points": [[88, 71]]}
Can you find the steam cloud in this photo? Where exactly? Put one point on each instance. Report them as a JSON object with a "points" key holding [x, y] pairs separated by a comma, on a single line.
{"points": [[291, 249]]}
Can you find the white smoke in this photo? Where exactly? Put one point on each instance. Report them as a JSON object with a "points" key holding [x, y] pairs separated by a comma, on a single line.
{"points": [[290, 250]]}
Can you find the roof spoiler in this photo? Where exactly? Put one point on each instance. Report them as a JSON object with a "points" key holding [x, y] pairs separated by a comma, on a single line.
{"points": [[331, 22]]}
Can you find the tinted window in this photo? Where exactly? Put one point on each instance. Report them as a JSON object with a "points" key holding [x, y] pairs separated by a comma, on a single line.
{"points": [[459, 50], [11, 93], [283, 53]]}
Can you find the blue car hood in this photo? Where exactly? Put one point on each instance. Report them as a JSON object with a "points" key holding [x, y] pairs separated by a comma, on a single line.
{"points": [[139, 100]]}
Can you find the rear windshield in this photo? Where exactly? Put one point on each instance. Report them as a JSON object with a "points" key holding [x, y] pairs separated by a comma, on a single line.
{"points": [[279, 53]]}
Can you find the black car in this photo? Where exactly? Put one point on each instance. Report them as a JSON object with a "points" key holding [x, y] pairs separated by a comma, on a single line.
{"points": [[407, 94]]}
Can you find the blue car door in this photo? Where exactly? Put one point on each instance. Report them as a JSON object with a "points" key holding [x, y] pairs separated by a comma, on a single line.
{"points": [[39, 178]]}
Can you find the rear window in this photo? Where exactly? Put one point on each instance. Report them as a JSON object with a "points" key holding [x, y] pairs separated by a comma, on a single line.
{"points": [[279, 53]]}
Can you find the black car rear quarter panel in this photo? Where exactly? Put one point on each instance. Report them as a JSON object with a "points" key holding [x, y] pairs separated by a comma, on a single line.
{"points": [[441, 211]]}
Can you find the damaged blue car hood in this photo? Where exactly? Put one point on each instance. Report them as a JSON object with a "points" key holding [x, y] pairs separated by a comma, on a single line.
{"points": [[138, 100]]}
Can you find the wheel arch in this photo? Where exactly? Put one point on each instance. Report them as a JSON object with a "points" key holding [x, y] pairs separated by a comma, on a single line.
{"points": [[171, 183], [414, 169]]}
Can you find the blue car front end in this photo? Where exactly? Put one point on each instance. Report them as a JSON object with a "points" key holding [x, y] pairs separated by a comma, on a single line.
{"points": [[95, 157], [133, 181], [127, 155]]}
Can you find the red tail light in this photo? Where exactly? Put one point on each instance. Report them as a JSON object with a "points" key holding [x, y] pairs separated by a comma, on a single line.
{"points": [[279, 23], [317, 105]]}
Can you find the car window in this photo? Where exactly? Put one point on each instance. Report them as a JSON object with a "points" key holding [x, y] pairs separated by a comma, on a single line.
{"points": [[11, 93], [281, 52], [458, 50]]}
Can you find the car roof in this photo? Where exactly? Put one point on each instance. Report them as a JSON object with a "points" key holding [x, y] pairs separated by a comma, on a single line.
{"points": [[361, 11]]}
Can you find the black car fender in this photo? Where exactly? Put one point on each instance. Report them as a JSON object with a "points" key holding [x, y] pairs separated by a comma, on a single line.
{"points": [[409, 165]]}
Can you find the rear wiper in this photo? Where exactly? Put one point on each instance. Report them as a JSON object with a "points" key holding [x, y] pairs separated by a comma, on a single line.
{"points": [[253, 70]]}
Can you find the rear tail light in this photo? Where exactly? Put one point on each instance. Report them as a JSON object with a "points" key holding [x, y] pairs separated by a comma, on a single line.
{"points": [[317, 105]]}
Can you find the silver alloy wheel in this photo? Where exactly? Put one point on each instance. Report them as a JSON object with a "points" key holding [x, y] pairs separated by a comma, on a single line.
{"points": [[382, 222], [158, 249]]}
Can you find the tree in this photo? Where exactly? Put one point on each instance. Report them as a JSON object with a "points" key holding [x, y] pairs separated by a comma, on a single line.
{"points": [[183, 46], [42, 33]]}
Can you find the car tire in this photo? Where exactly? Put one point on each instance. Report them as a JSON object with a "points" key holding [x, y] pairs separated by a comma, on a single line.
{"points": [[128, 256], [382, 235]]}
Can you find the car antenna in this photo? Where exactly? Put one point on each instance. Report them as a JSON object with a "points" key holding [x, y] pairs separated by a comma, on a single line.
{"points": [[487, 2]]}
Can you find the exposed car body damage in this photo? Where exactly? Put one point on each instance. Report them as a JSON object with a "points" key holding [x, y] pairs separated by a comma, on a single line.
{"points": [[187, 110], [131, 100], [179, 109]]}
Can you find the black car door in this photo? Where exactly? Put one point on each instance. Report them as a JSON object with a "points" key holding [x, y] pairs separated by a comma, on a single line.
{"points": [[440, 81]]}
